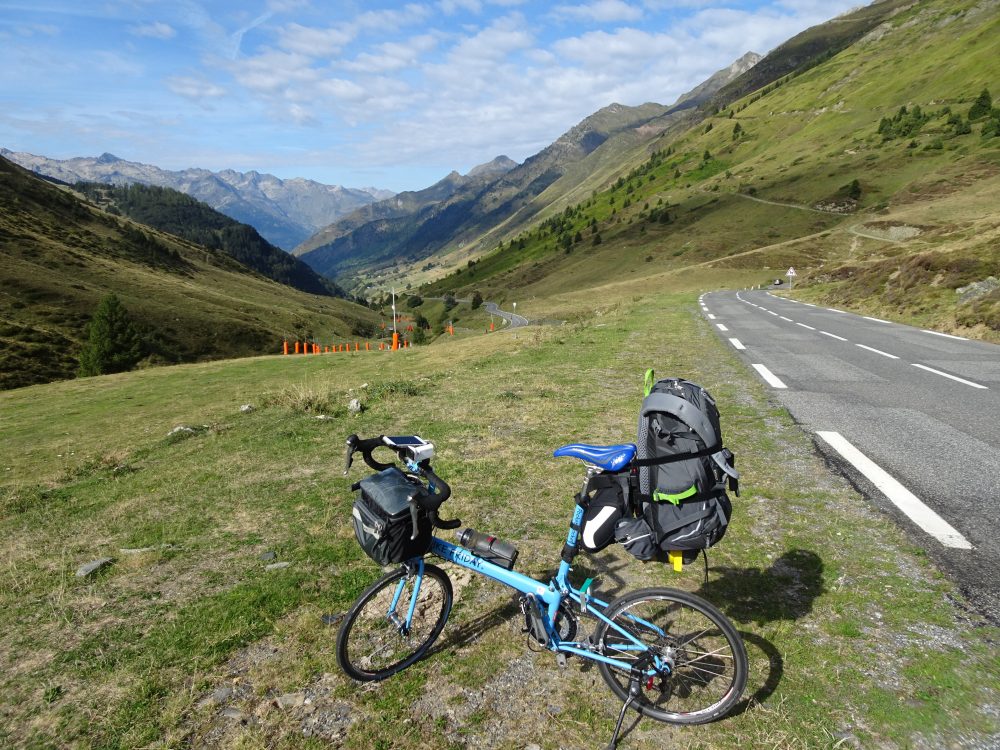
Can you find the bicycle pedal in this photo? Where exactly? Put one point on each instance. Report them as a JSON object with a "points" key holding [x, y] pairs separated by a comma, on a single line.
{"points": [[561, 660]]}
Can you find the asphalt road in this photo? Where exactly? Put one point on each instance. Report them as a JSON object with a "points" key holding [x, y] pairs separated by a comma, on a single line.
{"points": [[513, 319], [911, 416]]}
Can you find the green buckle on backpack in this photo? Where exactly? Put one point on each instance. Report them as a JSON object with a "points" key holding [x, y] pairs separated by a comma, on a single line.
{"points": [[675, 498], [648, 382]]}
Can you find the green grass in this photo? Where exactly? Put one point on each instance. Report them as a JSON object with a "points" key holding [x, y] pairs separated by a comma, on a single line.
{"points": [[129, 658]]}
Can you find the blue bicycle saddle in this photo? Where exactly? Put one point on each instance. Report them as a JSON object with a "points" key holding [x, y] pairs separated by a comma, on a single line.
{"points": [[607, 457]]}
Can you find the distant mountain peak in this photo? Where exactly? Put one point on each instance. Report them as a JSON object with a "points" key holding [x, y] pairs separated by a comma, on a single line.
{"points": [[107, 158], [500, 165]]}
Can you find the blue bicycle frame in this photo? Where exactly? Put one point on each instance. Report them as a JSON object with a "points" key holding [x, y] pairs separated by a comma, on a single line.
{"points": [[552, 594]]}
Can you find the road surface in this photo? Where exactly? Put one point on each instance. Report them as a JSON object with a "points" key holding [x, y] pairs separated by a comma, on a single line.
{"points": [[911, 416], [513, 319]]}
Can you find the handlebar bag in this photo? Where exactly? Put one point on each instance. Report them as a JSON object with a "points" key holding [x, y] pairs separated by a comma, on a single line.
{"points": [[382, 520]]}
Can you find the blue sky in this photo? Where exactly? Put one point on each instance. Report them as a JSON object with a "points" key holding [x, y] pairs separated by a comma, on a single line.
{"points": [[390, 95]]}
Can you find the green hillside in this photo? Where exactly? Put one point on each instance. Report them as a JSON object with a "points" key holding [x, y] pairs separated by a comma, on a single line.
{"points": [[179, 214], [60, 256], [805, 173]]}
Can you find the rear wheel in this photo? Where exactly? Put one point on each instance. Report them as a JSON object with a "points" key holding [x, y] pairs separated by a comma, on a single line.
{"points": [[374, 641], [703, 661]]}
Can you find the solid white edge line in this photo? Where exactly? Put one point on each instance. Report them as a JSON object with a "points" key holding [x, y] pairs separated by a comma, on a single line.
{"points": [[737, 344], [721, 327], [877, 320], [897, 494], [952, 377], [833, 336], [947, 335], [770, 378], [805, 326], [878, 351], [831, 309]]}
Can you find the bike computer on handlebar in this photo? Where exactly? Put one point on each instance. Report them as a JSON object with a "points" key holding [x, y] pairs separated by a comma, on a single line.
{"points": [[414, 446]]}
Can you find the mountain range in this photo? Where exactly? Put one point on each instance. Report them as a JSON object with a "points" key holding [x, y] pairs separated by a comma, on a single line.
{"points": [[285, 212], [471, 213], [60, 255]]}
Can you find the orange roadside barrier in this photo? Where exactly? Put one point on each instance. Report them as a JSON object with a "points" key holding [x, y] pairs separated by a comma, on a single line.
{"points": [[296, 347], [395, 341], [285, 348]]}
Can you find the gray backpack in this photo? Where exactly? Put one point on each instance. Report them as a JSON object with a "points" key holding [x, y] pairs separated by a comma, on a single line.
{"points": [[683, 473]]}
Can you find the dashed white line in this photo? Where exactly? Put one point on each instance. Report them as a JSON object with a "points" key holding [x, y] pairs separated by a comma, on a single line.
{"points": [[947, 335], [877, 320], [952, 377], [711, 317], [771, 312], [833, 336], [737, 344], [878, 351], [833, 309], [721, 327], [769, 377], [784, 318], [898, 495], [805, 326]]}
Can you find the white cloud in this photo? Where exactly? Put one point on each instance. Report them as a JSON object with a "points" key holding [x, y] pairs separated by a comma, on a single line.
{"points": [[449, 7], [195, 89], [313, 42], [392, 56], [157, 30], [601, 11]]}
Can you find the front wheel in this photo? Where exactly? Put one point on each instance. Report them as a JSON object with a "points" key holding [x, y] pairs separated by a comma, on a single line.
{"points": [[379, 637], [701, 661]]}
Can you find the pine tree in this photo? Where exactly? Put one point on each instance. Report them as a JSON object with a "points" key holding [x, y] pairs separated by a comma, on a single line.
{"points": [[982, 106], [113, 343]]}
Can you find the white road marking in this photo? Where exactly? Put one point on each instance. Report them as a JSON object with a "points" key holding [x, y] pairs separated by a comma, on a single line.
{"points": [[953, 377], [805, 326], [809, 303], [721, 327], [771, 312], [833, 336], [898, 495], [737, 343], [831, 309], [878, 351], [784, 318], [877, 320], [711, 317], [769, 376], [948, 335]]}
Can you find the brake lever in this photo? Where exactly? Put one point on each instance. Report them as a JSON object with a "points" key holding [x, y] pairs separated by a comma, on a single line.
{"points": [[352, 443]]}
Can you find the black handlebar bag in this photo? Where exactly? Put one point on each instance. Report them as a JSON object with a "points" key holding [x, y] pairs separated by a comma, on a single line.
{"points": [[383, 522]]}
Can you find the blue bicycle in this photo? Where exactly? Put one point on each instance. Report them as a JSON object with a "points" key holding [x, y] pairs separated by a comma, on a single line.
{"points": [[669, 654]]}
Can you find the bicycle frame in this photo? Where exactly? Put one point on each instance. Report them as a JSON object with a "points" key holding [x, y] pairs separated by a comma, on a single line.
{"points": [[552, 594]]}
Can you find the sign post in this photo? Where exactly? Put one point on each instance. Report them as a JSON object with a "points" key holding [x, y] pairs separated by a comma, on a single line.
{"points": [[791, 277]]}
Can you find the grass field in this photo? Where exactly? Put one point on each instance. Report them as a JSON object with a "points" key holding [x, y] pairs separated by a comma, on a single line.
{"points": [[854, 639]]}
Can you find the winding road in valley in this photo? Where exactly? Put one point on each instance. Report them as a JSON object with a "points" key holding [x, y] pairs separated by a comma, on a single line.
{"points": [[911, 416], [513, 319]]}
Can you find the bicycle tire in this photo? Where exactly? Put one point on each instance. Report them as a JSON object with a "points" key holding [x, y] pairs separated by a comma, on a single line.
{"points": [[370, 647], [706, 651]]}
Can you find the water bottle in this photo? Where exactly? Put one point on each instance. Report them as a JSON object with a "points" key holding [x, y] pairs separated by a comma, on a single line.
{"points": [[494, 550]]}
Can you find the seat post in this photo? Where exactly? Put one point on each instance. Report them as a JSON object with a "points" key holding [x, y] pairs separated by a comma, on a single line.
{"points": [[592, 471]]}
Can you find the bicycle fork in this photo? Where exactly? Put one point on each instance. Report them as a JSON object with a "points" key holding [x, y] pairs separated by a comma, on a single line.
{"points": [[413, 569]]}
